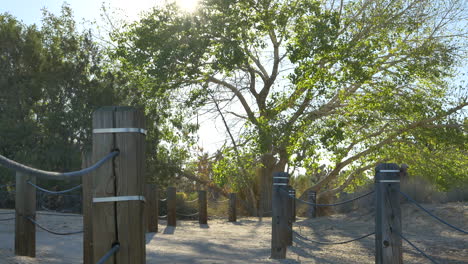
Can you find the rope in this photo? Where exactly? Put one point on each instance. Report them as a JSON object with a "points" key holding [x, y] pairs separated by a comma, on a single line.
{"points": [[25, 169], [41, 213], [7, 219], [162, 216], [2, 213], [53, 232], [163, 200], [415, 247], [53, 192], [191, 201], [431, 214], [331, 243], [222, 201], [7, 185], [109, 254], [334, 204], [189, 215]]}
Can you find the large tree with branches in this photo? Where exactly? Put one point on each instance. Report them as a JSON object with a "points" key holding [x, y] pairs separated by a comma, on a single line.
{"points": [[308, 80]]}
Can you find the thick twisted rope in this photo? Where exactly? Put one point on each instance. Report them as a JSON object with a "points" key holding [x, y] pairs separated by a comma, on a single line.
{"points": [[189, 215], [415, 247], [162, 216], [431, 214], [7, 185], [163, 200], [53, 192], [334, 204], [53, 232], [109, 254], [52, 214], [25, 169], [7, 219], [192, 201], [331, 243], [3, 213]]}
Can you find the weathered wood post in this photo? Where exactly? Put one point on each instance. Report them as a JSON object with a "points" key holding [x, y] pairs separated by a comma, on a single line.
{"points": [[232, 217], [289, 213], [202, 208], [293, 205], [171, 206], [312, 197], [119, 186], [25, 208], [87, 192], [152, 207], [279, 222], [388, 244]]}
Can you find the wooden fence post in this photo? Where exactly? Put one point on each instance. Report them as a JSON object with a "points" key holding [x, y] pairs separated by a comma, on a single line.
{"points": [[312, 197], [232, 208], [25, 207], [152, 208], [87, 192], [388, 244], [202, 208], [293, 205], [118, 186], [171, 206], [279, 223], [289, 213]]}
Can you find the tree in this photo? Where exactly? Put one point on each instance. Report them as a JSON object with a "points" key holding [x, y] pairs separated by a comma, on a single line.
{"points": [[342, 81], [51, 80]]}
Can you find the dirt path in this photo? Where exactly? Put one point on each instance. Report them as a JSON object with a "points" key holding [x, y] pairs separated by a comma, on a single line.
{"points": [[248, 240]]}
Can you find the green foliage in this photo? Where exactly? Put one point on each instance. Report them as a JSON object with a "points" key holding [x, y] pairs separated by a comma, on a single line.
{"points": [[309, 80]]}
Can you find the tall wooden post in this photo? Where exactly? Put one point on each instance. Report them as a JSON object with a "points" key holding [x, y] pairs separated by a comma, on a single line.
{"points": [[293, 204], [152, 207], [289, 213], [202, 208], [388, 244], [87, 192], [118, 202], [279, 222], [171, 206], [25, 207], [312, 197], [232, 217]]}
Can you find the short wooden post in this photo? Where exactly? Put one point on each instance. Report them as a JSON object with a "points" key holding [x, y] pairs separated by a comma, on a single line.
{"points": [[119, 218], [202, 208], [87, 192], [232, 217], [171, 206], [25, 207], [388, 244], [152, 208], [312, 197], [293, 194], [279, 227]]}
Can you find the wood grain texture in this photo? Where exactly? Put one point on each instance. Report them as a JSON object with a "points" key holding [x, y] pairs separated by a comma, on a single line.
{"points": [[202, 208], [87, 181], [130, 181], [171, 206], [312, 198], [388, 245], [25, 206], [103, 214], [279, 223], [152, 207], [232, 211]]}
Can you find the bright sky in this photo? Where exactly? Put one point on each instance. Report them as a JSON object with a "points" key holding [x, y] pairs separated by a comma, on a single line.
{"points": [[29, 11]]}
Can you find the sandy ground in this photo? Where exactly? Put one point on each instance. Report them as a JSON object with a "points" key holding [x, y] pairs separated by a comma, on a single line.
{"points": [[248, 240]]}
